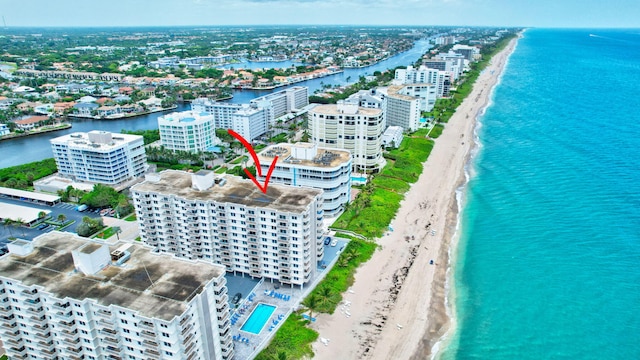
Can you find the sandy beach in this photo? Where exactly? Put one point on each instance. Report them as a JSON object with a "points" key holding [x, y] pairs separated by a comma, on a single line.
{"points": [[396, 306]]}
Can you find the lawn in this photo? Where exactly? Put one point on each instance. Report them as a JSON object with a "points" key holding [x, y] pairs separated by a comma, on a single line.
{"points": [[131, 217], [292, 341], [106, 233]]}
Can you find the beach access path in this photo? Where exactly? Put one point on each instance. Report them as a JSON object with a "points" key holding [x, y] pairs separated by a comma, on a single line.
{"points": [[396, 307]]}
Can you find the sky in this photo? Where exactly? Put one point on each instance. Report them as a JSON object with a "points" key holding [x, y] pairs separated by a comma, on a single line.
{"points": [[520, 13]]}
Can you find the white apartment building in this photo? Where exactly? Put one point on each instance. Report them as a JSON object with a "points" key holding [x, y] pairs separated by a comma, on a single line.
{"points": [[222, 112], [251, 121], [392, 137], [285, 101], [470, 53], [306, 164], [248, 120], [366, 99], [229, 221], [187, 131], [65, 297], [456, 63], [347, 126], [400, 109], [424, 75], [100, 156]]}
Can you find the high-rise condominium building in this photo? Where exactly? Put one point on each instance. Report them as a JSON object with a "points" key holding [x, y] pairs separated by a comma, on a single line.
{"points": [[347, 126], [425, 75], [64, 297], [248, 120], [187, 131], [305, 164], [100, 156], [229, 221], [285, 101]]}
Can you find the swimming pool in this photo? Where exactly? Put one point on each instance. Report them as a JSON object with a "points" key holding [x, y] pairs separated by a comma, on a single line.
{"points": [[258, 318], [361, 179]]}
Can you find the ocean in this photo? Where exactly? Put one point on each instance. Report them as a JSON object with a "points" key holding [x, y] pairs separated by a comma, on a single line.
{"points": [[548, 262]]}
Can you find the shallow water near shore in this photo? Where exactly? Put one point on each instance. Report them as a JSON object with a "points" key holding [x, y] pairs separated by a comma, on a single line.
{"points": [[548, 255]]}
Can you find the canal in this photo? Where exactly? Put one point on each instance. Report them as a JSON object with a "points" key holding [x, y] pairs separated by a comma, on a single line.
{"points": [[37, 147]]}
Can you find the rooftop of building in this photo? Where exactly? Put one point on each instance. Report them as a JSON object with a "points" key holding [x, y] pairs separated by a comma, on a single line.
{"points": [[321, 157], [96, 140], [234, 190], [158, 286], [392, 91], [334, 109], [185, 117]]}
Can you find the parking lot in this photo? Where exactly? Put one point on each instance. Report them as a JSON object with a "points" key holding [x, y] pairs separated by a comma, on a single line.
{"points": [[69, 210]]}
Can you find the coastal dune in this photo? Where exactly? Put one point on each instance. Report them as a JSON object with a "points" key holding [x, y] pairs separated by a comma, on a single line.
{"points": [[396, 307]]}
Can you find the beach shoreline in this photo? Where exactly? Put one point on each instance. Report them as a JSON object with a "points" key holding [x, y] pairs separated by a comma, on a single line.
{"points": [[396, 307]]}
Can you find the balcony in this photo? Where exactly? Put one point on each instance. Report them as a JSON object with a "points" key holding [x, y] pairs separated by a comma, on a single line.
{"points": [[60, 307], [151, 352], [148, 334], [186, 329], [38, 320], [68, 326], [150, 343], [71, 343], [108, 332], [12, 342], [30, 294], [44, 337], [112, 350], [9, 327], [11, 335], [111, 341], [146, 325], [14, 351], [34, 310], [103, 314]]}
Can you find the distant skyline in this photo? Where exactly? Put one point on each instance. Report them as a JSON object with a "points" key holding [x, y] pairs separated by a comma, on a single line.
{"points": [[520, 13]]}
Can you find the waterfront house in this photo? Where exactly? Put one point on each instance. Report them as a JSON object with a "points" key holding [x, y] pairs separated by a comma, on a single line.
{"points": [[31, 122], [4, 129], [27, 106], [85, 109], [60, 107], [105, 111], [43, 109]]}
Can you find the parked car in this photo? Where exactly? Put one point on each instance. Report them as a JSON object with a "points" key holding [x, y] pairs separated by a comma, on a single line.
{"points": [[236, 298], [327, 240], [334, 242]]}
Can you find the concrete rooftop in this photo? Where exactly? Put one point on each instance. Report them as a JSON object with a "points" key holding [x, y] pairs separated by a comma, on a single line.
{"points": [[157, 286], [236, 190]]}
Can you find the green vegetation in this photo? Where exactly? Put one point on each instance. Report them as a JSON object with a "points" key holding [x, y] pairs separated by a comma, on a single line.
{"points": [[292, 341], [340, 277], [23, 176], [131, 217], [376, 205], [148, 136], [106, 233], [103, 196], [280, 138], [240, 159], [436, 131], [89, 226]]}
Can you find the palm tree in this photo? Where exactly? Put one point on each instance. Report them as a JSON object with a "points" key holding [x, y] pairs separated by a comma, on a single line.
{"points": [[42, 215], [62, 218], [311, 303], [325, 295]]}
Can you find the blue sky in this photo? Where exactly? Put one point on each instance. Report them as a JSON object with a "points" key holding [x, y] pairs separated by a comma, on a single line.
{"points": [[536, 13]]}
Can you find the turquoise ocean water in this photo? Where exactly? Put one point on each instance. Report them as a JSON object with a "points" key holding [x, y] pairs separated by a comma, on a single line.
{"points": [[548, 263]]}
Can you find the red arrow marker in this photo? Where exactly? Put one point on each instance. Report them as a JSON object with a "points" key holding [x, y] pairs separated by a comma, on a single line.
{"points": [[255, 161]]}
